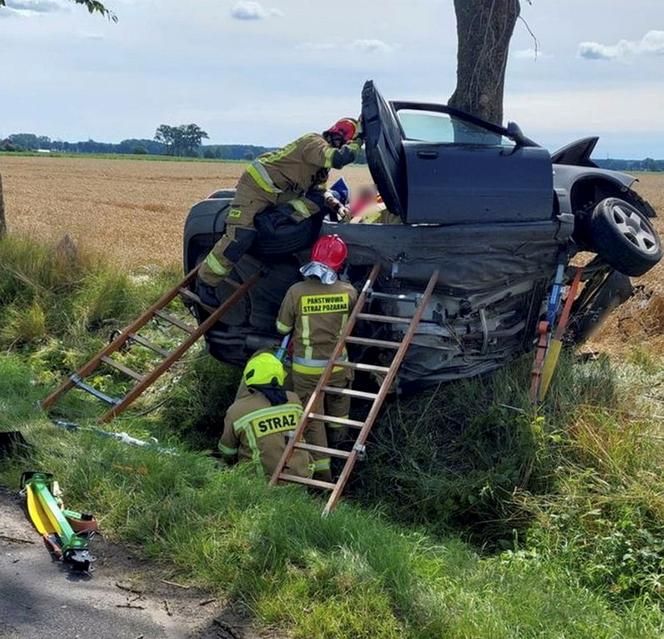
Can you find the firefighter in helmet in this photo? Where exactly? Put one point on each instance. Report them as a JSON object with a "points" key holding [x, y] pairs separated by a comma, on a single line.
{"points": [[258, 425], [316, 311], [293, 178]]}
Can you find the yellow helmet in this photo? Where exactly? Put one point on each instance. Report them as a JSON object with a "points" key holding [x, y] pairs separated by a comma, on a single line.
{"points": [[264, 369]]}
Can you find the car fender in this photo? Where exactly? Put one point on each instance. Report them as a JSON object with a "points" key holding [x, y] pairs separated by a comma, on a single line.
{"points": [[568, 177]]}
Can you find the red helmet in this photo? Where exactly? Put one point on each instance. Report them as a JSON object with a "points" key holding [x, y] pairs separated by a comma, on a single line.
{"points": [[330, 250], [346, 128]]}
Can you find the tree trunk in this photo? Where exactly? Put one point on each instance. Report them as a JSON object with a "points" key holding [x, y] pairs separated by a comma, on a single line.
{"points": [[484, 30], [3, 222]]}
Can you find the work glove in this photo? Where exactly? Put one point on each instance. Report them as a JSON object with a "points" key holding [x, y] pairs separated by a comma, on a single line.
{"points": [[333, 203]]}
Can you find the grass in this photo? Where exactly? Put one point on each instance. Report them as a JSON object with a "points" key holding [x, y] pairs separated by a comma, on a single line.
{"points": [[474, 517]]}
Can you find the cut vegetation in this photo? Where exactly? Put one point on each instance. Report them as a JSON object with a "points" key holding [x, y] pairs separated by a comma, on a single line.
{"points": [[473, 517]]}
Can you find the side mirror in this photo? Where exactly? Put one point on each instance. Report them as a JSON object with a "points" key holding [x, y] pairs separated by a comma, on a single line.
{"points": [[518, 136]]}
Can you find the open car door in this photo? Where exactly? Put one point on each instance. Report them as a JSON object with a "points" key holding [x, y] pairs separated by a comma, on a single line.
{"points": [[463, 170], [384, 149]]}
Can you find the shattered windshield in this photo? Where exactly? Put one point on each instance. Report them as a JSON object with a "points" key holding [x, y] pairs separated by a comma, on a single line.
{"points": [[443, 128]]}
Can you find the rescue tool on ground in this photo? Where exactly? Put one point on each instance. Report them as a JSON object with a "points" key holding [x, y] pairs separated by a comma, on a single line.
{"points": [[65, 532]]}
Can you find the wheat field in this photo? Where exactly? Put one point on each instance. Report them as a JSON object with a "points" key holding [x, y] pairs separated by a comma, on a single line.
{"points": [[134, 212]]}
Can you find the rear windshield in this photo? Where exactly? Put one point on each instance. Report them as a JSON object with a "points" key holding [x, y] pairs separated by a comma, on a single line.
{"points": [[442, 128]]}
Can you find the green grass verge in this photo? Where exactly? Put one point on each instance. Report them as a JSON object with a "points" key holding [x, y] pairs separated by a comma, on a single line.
{"points": [[474, 517]]}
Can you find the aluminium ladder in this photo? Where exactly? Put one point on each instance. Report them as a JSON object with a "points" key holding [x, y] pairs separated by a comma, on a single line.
{"points": [[130, 336], [376, 399]]}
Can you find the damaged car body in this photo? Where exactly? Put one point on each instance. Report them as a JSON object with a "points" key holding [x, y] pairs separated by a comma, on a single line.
{"points": [[490, 209]]}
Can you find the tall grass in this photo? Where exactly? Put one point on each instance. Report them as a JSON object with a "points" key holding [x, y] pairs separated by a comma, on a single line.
{"points": [[560, 509]]}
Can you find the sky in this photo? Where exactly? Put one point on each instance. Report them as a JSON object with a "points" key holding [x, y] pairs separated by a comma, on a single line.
{"points": [[265, 72]]}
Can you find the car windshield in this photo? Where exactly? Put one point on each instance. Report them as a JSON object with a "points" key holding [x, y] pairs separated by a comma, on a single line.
{"points": [[443, 128]]}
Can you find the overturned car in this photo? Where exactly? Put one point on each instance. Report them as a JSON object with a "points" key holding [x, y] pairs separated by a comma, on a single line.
{"points": [[493, 211]]}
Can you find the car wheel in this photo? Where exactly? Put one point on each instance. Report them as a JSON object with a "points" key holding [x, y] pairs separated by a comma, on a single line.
{"points": [[286, 239], [624, 238]]}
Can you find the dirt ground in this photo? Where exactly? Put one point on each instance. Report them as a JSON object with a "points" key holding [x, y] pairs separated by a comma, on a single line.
{"points": [[125, 598], [134, 212]]}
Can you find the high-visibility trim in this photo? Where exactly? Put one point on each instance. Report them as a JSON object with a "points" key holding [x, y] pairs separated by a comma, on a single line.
{"points": [[322, 464], [274, 156], [354, 146], [313, 370], [329, 156], [300, 207], [306, 337], [234, 214], [244, 424], [229, 452], [215, 265], [262, 177], [283, 329]]}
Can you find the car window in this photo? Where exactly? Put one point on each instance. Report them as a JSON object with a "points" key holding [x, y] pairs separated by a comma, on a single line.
{"points": [[442, 128]]}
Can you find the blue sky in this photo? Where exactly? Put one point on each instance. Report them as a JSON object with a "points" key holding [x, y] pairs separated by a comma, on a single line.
{"points": [[264, 72]]}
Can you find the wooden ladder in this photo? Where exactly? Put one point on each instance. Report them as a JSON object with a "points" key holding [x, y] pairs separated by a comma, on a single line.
{"points": [[130, 336], [376, 399]]}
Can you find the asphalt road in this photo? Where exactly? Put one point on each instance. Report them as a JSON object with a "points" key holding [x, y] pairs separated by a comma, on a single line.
{"points": [[123, 599]]}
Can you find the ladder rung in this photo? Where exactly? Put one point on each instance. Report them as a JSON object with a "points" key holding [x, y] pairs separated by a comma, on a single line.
{"points": [[369, 368], [349, 391], [79, 383], [190, 295], [171, 319], [122, 368], [367, 341], [387, 319], [139, 339], [399, 297], [332, 452], [336, 420], [307, 481]]}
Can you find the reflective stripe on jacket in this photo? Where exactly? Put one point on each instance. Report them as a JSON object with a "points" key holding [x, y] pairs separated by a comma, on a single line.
{"points": [[316, 313], [257, 431]]}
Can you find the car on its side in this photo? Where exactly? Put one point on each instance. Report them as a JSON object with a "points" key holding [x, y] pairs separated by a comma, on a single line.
{"points": [[493, 211]]}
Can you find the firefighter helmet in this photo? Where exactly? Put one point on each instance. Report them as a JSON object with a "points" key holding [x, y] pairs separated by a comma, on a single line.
{"points": [[346, 128], [264, 369], [331, 251]]}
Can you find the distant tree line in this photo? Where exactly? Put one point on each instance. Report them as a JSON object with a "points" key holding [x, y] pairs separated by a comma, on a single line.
{"points": [[137, 146]]}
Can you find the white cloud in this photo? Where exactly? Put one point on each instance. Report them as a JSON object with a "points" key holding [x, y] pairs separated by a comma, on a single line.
{"points": [[652, 43], [28, 8], [250, 10], [371, 46], [529, 54]]}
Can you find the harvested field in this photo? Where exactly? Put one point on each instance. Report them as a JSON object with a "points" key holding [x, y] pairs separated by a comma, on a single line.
{"points": [[134, 212]]}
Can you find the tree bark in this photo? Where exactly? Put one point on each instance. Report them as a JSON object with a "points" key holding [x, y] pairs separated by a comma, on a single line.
{"points": [[484, 30], [3, 222]]}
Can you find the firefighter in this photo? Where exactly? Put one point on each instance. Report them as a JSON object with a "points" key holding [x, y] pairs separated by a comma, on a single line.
{"points": [[316, 311], [292, 179], [257, 426]]}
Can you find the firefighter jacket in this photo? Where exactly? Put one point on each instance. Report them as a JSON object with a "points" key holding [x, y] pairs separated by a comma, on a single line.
{"points": [[316, 313], [257, 431], [299, 167]]}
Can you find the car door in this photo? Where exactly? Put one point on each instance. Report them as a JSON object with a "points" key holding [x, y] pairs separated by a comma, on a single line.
{"points": [[384, 149], [462, 170]]}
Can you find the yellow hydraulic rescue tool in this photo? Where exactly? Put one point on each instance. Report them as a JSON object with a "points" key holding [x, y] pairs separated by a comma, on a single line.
{"points": [[130, 336], [376, 399]]}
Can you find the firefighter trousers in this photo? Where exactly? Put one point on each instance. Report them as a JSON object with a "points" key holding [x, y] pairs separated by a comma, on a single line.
{"points": [[327, 404]]}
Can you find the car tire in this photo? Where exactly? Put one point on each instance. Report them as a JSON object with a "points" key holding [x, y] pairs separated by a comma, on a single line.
{"points": [[286, 239], [624, 237]]}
